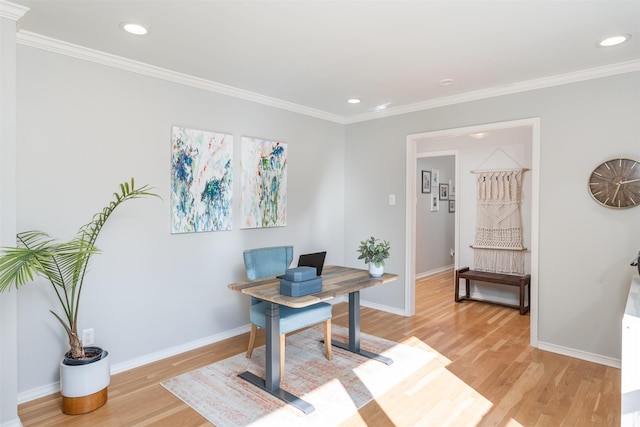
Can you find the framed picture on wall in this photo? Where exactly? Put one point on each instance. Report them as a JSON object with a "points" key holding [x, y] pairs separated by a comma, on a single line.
{"points": [[435, 178], [435, 203], [452, 206], [444, 191], [426, 181]]}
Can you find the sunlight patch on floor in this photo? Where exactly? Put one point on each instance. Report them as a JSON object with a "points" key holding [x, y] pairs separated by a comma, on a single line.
{"points": [[445, 399]]}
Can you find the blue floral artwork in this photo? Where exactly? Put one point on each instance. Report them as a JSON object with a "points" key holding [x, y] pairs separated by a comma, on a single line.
{"points": [[201, 173], [264, 183]]}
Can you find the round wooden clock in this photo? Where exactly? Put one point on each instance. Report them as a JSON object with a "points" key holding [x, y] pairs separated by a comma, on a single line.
{"points": [[616, 183]]}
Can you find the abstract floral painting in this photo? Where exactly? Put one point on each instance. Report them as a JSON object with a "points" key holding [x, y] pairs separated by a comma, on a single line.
{"points": [[264, 183], [201, 173]]}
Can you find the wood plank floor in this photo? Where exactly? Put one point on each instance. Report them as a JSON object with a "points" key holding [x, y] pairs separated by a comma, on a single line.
{"points": [[489, 375]]}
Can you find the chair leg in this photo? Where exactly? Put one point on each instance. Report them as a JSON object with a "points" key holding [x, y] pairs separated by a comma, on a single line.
{"points": [[327, 339], [252, 340], [282, 340]]}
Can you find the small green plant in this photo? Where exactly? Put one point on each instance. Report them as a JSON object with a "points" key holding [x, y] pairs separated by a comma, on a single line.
{"points": [[374, 251], [64, 264]]}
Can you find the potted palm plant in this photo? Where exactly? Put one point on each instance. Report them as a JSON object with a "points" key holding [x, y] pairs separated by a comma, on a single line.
{"points": [[374, 252], [84, 371]]}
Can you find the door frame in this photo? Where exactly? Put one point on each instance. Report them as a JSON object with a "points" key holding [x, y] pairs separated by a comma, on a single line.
{"points": [[411, 201]]}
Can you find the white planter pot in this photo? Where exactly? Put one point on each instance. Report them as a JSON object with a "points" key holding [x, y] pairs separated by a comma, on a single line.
{"points": [[375, 271], [84, 387]]}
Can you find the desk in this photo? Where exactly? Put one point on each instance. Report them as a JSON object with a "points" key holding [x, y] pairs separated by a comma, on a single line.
{"points": [[336, 281]]}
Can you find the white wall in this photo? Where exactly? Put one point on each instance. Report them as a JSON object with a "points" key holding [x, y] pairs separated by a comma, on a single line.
{"points": [[82, 129], [8, 300], [585, 249], [435, 230]]}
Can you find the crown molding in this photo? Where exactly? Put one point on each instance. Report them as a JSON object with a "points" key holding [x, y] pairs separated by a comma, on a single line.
{"points": [[12, 11], [28, 38], [525, 86]]}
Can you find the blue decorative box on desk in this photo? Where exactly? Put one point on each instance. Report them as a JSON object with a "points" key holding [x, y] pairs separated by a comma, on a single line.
{"points": [[300, 281]]}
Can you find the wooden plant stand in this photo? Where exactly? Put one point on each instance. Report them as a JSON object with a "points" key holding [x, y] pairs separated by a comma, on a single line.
{"points": [[521, 282]]}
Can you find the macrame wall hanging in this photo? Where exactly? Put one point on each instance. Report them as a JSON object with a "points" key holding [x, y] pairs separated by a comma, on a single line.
{"points": [[498, 245]]}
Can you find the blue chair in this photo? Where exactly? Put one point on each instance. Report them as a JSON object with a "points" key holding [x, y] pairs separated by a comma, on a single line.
{"points": [[273, 261]]}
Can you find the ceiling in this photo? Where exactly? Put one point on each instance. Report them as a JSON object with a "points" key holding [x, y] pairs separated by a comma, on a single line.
{"points": [[316, 54]]}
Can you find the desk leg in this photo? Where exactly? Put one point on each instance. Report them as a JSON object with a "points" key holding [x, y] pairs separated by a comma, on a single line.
{"points": [[271, 382], [272, 346], [354, 332], [354, 321]]}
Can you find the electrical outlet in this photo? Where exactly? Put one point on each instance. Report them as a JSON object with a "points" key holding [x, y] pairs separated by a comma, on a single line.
{"points": [[87, 337]]}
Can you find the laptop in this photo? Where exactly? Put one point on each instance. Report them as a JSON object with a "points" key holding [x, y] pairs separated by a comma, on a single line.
{"points": [[315, 259]]}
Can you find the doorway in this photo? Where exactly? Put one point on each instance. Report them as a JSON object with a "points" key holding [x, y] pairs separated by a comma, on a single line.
{"points": [[435, 212], [475, 154]]}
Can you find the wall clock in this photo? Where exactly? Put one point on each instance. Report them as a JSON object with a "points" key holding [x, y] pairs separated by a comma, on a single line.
{"points": [[616, 183]]}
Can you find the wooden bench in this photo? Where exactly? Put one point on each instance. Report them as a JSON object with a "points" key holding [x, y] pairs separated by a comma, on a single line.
{"points": [[502, 279]]}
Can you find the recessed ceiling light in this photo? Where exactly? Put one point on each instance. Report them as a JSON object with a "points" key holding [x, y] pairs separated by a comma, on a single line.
{"points": [[614, 40], [354, 100], [134, 28], [382, 106], [479, 135], [446, 82]]}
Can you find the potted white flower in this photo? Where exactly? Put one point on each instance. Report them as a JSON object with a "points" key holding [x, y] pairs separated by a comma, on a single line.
{"points": [[374, 252]]}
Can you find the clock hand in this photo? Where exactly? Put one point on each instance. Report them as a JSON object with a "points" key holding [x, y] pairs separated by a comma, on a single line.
{"points": [[616, 193], [627, 182]]}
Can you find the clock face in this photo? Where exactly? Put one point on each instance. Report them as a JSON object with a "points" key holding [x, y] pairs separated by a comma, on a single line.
{"points": [[616, 183]]}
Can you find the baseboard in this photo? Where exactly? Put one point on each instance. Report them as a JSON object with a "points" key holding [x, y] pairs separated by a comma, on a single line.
{"points": [[172, 351], [12, 423], [579, 354], [480, 297], [434, 272], [46, 390], [388, 309], [38, 392]]}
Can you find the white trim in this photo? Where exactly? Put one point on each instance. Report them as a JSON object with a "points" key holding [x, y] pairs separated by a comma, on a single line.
{"points": [[579, 354], [410, 221], [12, 423], [12, 11], [479, 296], [525, 86], [38, 392], [535, 229], [28, 38], [172, 351], [52, 45], [381, 307], [140, 361], [434, 271], [412, 140]]}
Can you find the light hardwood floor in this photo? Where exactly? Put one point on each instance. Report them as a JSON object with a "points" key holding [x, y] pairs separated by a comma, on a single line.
{"points": [[489, 375]]}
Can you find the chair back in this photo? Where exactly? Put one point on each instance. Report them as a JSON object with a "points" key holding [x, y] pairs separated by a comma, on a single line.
{"points": [[271, 261]]}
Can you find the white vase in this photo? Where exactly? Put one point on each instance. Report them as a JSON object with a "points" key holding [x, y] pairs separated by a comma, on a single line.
{"points": [[375, 271], [84, 387]]}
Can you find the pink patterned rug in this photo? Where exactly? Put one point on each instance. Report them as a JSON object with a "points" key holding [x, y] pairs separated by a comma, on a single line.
{"points": [[336, 388]]}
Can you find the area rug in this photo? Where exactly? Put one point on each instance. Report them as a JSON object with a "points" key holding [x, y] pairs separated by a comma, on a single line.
{"points": [[336, 388]]}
